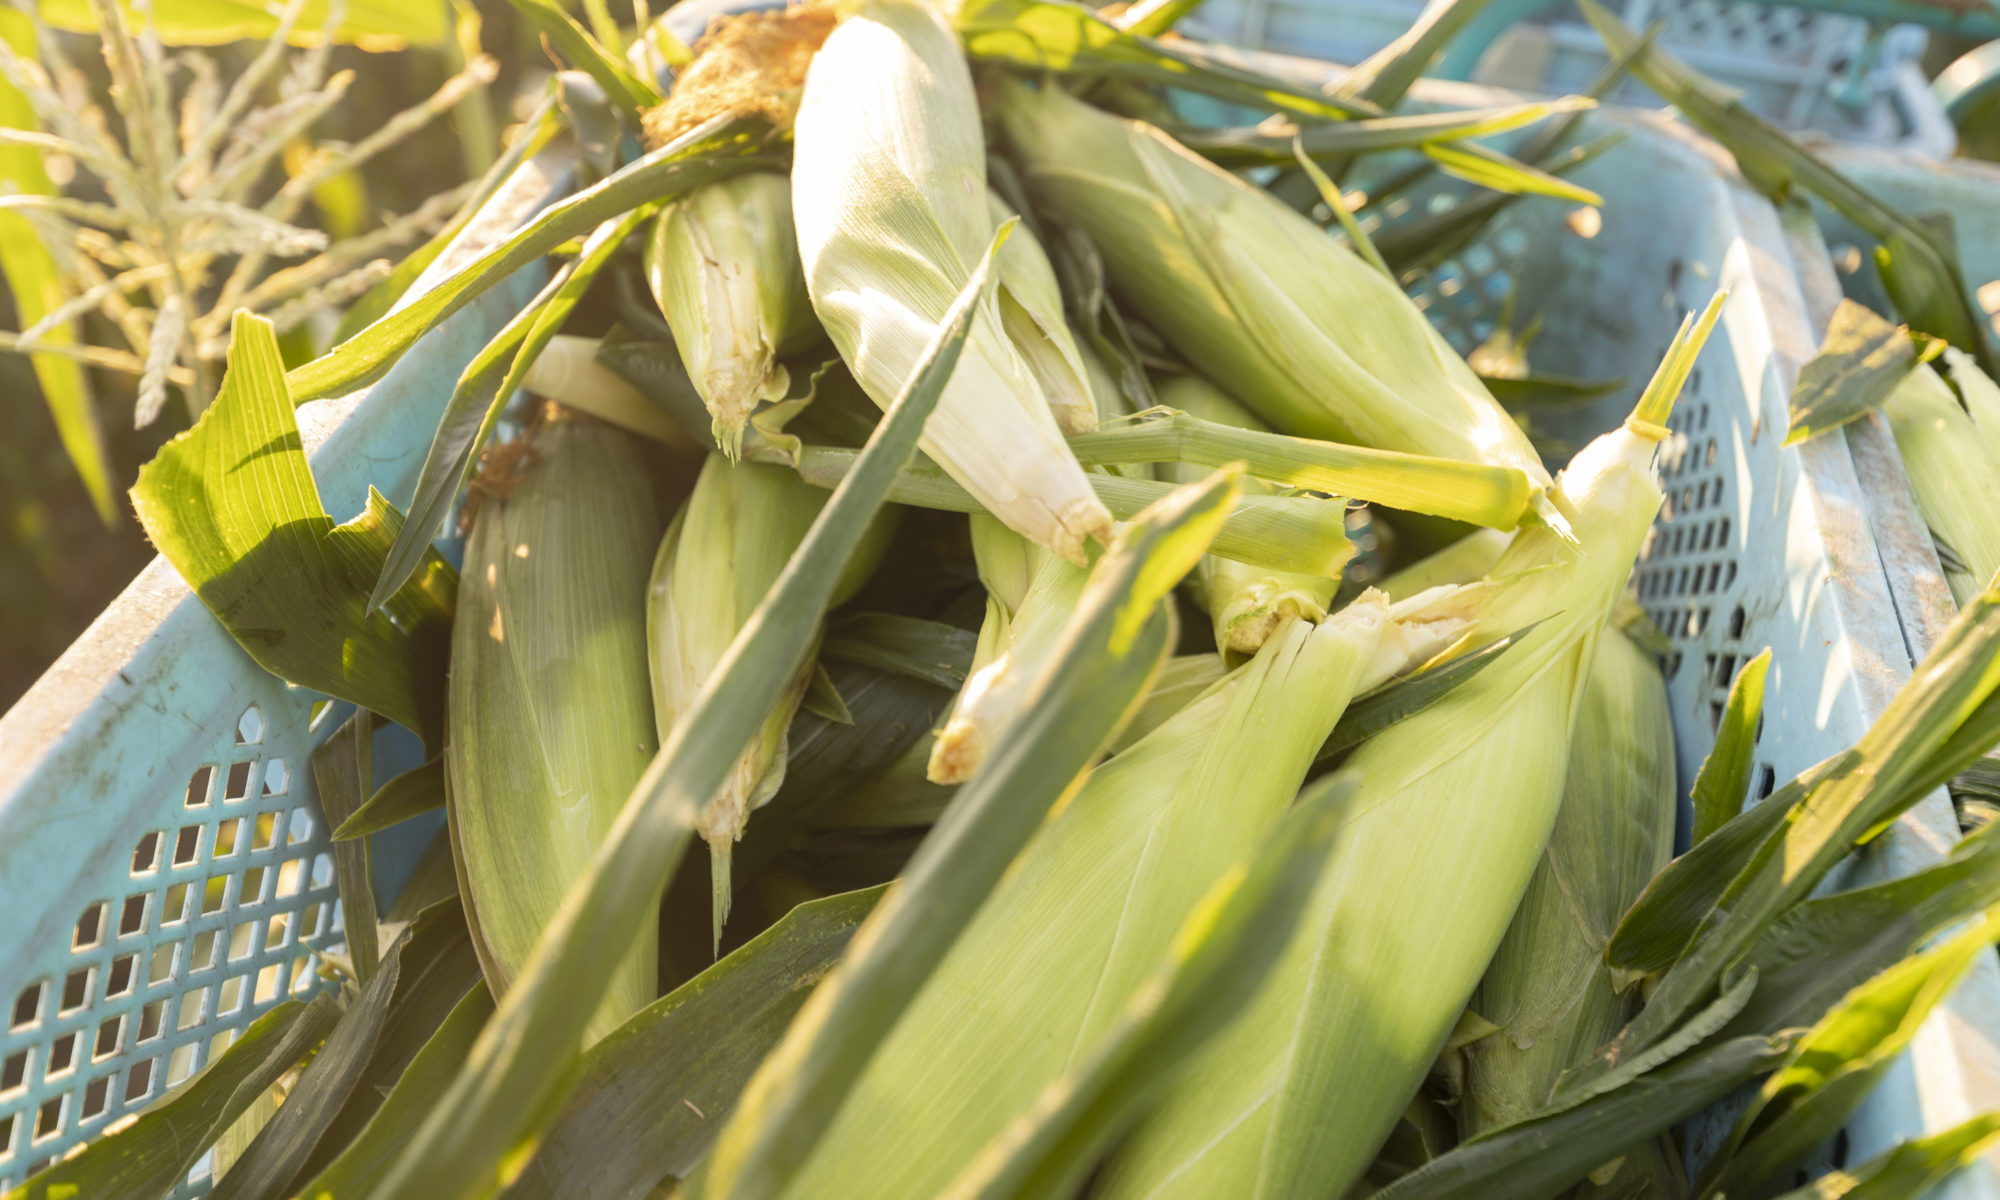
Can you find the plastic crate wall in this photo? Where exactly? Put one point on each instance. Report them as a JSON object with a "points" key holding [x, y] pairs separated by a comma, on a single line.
{"points": [[165, 864], [1757, 546], [1785, 60]]}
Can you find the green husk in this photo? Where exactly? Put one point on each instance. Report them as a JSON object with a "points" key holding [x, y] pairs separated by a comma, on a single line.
{"points": [[1091, 904], [892, 211], [723, 265], [1952, 452], [723, 552], [1246, 603], [1547, 986], [1309, 336], [1454, 808], [551, 717], [1031, 311]]}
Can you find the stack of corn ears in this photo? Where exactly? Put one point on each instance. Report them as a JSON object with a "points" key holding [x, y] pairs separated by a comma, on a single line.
{"points": [[1089, 907], [1454, 807], [890, 200]]}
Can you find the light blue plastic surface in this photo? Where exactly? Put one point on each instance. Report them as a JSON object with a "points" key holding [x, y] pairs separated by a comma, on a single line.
{"points": [[163, 859]]}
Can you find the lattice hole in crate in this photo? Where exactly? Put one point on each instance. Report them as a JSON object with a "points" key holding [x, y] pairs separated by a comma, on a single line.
{"points": [[212, 920]]}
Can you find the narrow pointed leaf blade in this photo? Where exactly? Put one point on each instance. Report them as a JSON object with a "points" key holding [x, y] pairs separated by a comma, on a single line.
{"points": [[1724, 781], [413, 793], [1910, 1168], [1044, 35], [1541, 1156], [714, 150]]}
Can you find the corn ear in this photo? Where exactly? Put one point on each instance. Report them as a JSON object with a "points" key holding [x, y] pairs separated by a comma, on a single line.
{"points": [[1086, 910], [723, 265], [1454, 808], [1310, 337], [1030, 595], [551, 718], [1246, 603], [890, 202], [1952, 452], [1031, 313], [724, 550], [1547, 987]]}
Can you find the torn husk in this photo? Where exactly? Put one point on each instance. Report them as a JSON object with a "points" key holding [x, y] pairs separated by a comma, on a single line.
{"points": [[723, 265], [718, 560], [1246, 603]]}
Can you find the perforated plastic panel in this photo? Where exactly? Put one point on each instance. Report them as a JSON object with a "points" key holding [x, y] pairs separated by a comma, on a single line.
{"points": [[165, 866]]}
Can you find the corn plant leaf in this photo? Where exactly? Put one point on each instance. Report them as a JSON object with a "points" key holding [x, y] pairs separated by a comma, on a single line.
{"points": [[622, 85], [1253, 145], [1220, 957], [1305, 534], [411, 1094], [1476, 493], [928, 650], [1861, 360], [713, 150], [1384, 77], [535, 135], [370, 24], [1113, 646], [438, 968], [1824, 948], [1046, 35], [1676, 902], [514, 1082], [1724, 780], [1911, 1168], [482, 389], [1541, 1156], [1409, 695], [1619, 1068], [1427, 239], [1921, 276], [1490, 169], [281, 1147], [232, 504], [154, 1155], [37, 287], [653, 1095], [1942, 719], [343, 766], [411, 794], [1834, 1067]]}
